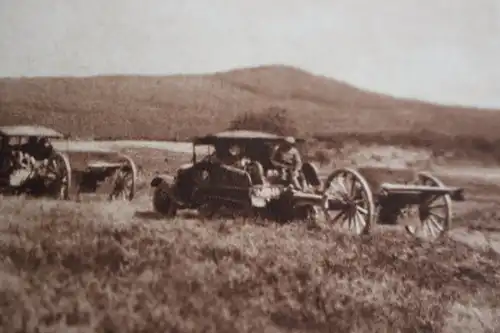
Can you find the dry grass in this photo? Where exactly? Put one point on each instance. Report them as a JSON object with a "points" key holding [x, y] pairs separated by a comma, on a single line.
{"points": [[96, 267]]}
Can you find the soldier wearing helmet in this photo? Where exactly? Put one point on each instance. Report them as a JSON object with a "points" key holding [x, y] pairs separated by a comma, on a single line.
{"points": [[286, 158]]}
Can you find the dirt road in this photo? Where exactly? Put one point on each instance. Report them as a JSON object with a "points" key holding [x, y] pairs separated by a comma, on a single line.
{"points": [[490, 174], [179, 147]]}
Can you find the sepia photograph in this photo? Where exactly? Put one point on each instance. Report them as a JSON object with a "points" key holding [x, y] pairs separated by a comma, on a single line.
{"points": [[249, 166]]}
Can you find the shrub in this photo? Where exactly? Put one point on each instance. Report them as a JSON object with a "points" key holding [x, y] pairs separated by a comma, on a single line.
{"points": [[322, 156], [272, 120]]}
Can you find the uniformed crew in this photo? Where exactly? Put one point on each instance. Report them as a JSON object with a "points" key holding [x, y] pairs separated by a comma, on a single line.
{"points": [[286, 158]]}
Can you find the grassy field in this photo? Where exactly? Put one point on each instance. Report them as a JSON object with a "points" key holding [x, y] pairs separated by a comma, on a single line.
{"points": [[95, 266], [179, 107], [112, 268]]}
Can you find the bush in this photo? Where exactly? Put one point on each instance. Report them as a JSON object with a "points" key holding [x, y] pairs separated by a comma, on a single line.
{"points": [[322, 157], [273, 120]]}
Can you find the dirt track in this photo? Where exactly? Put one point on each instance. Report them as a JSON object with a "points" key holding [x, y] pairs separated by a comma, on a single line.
{"points": [[180, 147]]}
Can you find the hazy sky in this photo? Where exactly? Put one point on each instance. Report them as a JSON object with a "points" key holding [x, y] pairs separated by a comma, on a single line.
{"points": [[442, 50]]}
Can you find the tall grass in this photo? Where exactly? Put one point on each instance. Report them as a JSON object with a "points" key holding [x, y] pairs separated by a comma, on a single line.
{"points": [[103, 268]]}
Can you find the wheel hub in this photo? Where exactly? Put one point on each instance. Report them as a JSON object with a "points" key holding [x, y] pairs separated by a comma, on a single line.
{"points": [[352, 207], [424, 213]]}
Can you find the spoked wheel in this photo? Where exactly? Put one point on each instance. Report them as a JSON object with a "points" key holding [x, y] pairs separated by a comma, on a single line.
{"points": [[349, 201], [434, 212], [125, 181], [58, 176]]}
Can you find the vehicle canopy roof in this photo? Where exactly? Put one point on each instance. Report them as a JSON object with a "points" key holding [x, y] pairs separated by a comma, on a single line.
{"points": [[30, 131], [256, 145], [241, 137]]}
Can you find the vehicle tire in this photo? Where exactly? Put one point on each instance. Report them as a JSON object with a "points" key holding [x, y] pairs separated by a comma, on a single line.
{"points": [[162, 203], [284, 208]]}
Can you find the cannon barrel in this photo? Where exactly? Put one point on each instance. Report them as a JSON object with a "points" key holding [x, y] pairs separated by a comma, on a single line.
{"points": [[456, 193], [303, 198]]}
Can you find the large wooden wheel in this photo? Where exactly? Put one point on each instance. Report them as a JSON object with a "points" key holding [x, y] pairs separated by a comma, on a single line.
{"points": [[349, 201], [125, 181], [58, 176], [434, 211]]}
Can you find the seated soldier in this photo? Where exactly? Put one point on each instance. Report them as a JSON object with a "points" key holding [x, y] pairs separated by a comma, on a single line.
{"points": [[216, 157], [20, 168], [223, 155], [286, 158], [256, 172], [31, 146], [38, 151], [44, 150], [236, 158]]}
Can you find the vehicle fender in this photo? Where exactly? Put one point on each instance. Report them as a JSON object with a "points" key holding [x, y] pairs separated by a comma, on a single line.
{"points": [[185, 166], [162, 179]]}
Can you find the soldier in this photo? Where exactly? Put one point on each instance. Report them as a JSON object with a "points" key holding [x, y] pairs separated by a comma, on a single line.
{"points": [[31, 146], [37, 151], [45, 149], [287, 159], [237, 158]]}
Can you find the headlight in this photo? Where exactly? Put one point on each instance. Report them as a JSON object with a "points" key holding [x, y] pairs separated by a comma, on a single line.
{"points": [[156, 181]]}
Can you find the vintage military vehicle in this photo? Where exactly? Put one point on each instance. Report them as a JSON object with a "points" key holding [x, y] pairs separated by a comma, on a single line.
{"points": [[208, 184], [30, 164], [344, 197]]}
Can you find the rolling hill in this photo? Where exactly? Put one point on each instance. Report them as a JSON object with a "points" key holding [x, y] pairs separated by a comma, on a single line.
{"points": [[180, 106]]}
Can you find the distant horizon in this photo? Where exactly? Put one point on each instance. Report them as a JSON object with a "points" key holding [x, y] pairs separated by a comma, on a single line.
{"points": [[152, 75]]}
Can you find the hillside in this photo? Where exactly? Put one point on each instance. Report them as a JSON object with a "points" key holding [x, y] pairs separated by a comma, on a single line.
{"points": [[182, 106]]}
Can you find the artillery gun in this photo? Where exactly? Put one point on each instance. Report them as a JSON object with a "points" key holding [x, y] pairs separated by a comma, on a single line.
{"points": [[30, 164], [345, 198]]}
